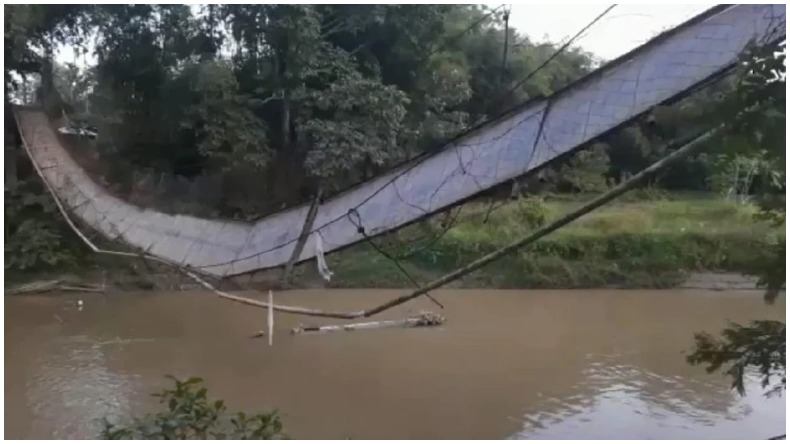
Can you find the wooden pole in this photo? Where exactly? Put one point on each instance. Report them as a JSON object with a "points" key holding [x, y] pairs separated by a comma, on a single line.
{"points": [[302, 240], [270, 318], [422, 320]]}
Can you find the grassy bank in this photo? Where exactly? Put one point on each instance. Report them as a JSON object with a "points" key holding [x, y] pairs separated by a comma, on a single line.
{"points": [[638, 242]]}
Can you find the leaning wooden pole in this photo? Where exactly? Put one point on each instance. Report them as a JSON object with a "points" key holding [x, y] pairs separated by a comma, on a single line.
{"points": [[687, 149], [302, 239]]}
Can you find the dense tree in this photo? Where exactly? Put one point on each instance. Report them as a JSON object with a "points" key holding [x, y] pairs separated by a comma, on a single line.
{"points": [[324, 95], [321, 95], [32, 31]]}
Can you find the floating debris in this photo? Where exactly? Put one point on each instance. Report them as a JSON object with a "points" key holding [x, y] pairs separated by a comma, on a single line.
{"points": [[425, 319]]}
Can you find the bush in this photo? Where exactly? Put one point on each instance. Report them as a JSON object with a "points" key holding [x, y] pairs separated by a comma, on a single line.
{"points": [[532, 211], [189, 414], [36, 237], [648, 193]]}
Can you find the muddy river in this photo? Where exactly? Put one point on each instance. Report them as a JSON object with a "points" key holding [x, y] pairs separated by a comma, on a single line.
{"points": [[508, 364]]}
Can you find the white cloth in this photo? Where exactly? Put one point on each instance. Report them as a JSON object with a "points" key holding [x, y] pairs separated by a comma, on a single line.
{"points": [[323, 269]]}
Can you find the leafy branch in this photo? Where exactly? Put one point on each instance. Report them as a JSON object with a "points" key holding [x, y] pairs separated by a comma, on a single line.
{"points": [[189, 414], [761, 344]]}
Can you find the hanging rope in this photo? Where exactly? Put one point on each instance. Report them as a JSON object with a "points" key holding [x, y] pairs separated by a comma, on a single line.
{"points": [[356, 220]]}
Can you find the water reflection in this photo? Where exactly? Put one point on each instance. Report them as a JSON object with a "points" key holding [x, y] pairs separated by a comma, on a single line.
{"points": [[623, 408], [71, 386], [580, 364]]}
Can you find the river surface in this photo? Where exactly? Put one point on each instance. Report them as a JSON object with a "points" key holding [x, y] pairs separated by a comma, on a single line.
{"points": [[507, 364]]}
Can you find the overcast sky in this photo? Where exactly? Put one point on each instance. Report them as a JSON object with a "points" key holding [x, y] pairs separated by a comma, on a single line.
{"points": [[623, 29]]}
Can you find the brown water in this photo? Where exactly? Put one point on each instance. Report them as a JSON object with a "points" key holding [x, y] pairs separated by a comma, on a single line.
{"points": [[508, 364]]}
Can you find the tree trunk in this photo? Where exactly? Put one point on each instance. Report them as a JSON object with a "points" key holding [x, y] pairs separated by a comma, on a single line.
{"points": [[11, 145], [10, 159], [286, 122]]}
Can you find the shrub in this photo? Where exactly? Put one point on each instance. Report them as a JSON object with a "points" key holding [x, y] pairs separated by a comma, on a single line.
{"points": [[36, 237], [648, 193], [532, 212], [189, 414]]}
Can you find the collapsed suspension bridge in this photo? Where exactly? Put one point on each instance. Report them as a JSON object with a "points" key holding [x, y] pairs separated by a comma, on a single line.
{"points": [[665, 69]]}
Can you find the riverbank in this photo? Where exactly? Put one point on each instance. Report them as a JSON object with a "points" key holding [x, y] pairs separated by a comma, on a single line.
{"points": [[642, 241]]}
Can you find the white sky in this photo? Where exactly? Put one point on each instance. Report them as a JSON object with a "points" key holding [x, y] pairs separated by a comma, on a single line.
{"points": [[623, 29]]}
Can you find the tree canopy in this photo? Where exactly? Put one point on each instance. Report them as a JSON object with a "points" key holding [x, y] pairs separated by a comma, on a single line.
{"points": [[321, 95], [273, 102]]}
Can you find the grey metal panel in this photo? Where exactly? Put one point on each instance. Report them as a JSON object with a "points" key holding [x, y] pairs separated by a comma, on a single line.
{"points": [[491, 155]]}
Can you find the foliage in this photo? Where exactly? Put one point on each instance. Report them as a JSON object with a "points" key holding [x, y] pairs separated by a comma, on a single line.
{"points": [[630, 151], [648, 193], [587, 170], [632, 244], [30, 28], [190, 414], [322, 95], [532, 211], [754, 114], [734, 174], [361, 128], [762, 344], [36, 238], [227, 131], [75, 85], [757, 133]]}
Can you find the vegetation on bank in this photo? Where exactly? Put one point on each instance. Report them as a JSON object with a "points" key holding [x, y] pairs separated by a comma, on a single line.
{"points": [[638, 242], [647, 239], [36, 239]]}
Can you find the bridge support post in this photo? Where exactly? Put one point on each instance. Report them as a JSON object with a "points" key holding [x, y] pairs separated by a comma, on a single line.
{"points": [[302, 240]]}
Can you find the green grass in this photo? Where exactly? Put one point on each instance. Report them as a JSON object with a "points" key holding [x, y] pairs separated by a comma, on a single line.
{"points": [[644, 240], [634, 242]]}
